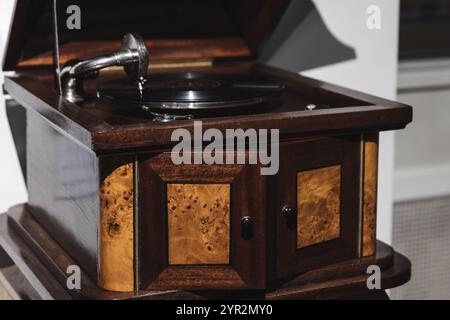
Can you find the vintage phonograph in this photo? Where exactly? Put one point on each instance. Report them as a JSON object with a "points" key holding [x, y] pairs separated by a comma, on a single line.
{"points": [[101, 106]]}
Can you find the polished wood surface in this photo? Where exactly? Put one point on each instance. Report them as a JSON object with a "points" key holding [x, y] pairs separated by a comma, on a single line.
{"points": [[197, 29], [370, 194], [103, 185], [247, 189], [311, 156], [44, 263], [344, 111], [63, 190], [199, 224], [22, 23], [274, 239], [318, 206], [248, 265], [116, 260], [162, 51]]}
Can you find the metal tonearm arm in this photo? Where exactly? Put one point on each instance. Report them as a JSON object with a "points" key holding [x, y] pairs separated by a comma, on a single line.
{"points": [[133, 56]]}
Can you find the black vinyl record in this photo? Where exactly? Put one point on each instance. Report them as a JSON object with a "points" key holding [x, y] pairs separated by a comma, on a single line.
{"points": [[191, 92]]}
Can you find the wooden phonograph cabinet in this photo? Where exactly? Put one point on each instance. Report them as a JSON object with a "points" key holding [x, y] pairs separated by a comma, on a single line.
{"points": [[106, 195]]}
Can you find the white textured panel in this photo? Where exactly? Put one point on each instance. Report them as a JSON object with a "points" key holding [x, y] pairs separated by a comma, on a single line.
{"points": [[422, 182], [420, 74], [425, 141], [421, 231]]}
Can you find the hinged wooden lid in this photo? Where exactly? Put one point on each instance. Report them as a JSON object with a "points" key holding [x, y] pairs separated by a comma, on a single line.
{"points": [[173, 29]]}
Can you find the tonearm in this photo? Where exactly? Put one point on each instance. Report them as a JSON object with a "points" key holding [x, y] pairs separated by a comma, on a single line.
{"points": [[133, 56]]}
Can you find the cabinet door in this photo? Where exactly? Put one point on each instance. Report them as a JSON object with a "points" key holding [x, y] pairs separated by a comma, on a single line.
{"points": [[317, 206], [201, 226]]}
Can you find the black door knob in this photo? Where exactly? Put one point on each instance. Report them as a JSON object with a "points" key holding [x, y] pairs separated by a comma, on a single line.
{"points": [[247, 228], [288, 212]]}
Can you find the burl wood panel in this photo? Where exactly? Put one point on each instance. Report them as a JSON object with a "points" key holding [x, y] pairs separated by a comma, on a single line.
{"points": [[318, 205], [198, 223], [370, 195], [116, 231]]}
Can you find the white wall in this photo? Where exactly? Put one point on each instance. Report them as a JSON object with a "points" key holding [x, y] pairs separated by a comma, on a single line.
{"points": [[12, 185], [423, 154], [373, 71]]}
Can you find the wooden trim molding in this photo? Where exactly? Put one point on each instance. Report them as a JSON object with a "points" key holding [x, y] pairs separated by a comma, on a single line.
{"points": [[116, 267], [321, 179], [370, 194], [44, 263], [190, 225]]}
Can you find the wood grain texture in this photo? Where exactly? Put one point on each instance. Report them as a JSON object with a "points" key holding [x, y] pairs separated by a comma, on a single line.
{"points": [[198, 223], [116, 231], [305, 156], [318, 205], [247, 258], [104, 134], [212, 28], [370, 195], [63, 190], [46, 262], [163, 50]]}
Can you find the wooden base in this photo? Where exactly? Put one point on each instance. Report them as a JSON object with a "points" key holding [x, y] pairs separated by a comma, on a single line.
{"points": [[44, 264]]}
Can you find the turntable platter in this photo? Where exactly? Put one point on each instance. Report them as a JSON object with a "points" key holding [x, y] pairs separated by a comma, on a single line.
{"points": [[190, 92]]}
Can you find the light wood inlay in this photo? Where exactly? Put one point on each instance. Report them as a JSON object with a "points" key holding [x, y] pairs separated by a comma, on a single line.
{"points": [[116, 234], [370, 196], [318, 205], [198, 223]]}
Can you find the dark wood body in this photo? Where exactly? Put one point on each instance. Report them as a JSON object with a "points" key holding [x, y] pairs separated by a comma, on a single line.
{"points": [[302, 157], [99, 129], [73, 149], [63, 179], [44, 263]]}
